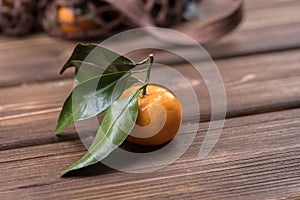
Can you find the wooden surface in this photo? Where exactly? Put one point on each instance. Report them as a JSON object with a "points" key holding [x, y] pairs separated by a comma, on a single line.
{"points": [[256, 157]]}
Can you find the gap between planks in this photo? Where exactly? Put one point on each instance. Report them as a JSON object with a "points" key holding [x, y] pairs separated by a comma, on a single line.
{"points": [[277, 88], [271, 27], [260, 158]]}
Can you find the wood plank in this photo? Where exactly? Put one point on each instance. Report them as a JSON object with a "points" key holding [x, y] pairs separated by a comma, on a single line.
{"points": [[256, 157], [38, 103], [249, 90], [268, 26], [36, 58]]}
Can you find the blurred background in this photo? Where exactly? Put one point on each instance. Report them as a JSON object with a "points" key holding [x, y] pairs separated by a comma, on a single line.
{"points": [[257, 155]]}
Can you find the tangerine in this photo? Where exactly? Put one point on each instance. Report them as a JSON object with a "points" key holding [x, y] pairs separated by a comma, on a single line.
{"points": [[159, 116], [69, 23]]}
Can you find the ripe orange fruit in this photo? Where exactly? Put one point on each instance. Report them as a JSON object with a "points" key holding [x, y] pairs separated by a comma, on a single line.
{"points": [[67, 21], [159, 116]]}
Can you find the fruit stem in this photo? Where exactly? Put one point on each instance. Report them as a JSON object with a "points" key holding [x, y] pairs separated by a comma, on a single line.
{"points": [[150, 62], [143, 61]]}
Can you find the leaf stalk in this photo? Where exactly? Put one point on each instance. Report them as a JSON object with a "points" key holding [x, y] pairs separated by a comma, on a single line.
{"points": [[150, 62]]}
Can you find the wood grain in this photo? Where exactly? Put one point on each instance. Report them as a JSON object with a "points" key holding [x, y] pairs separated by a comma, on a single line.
{"points": [[34, 59], [268, 26], [254, 156], [249, 90]]}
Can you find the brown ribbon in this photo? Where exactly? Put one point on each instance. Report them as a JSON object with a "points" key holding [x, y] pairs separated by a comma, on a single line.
{"points": [[203, 32]]}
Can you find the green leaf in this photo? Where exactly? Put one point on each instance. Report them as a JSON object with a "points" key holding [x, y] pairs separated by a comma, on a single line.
{"points": [[99, 56], [92, 97], [117, 123], [88, 71]]}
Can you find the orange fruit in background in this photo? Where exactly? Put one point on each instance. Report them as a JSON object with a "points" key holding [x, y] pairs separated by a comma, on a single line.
{"points": [[8, 3], [67, 21], [159, 116]]}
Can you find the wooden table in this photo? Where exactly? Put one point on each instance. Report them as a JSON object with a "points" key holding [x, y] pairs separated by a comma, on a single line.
{"points": [[256, 157]]}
